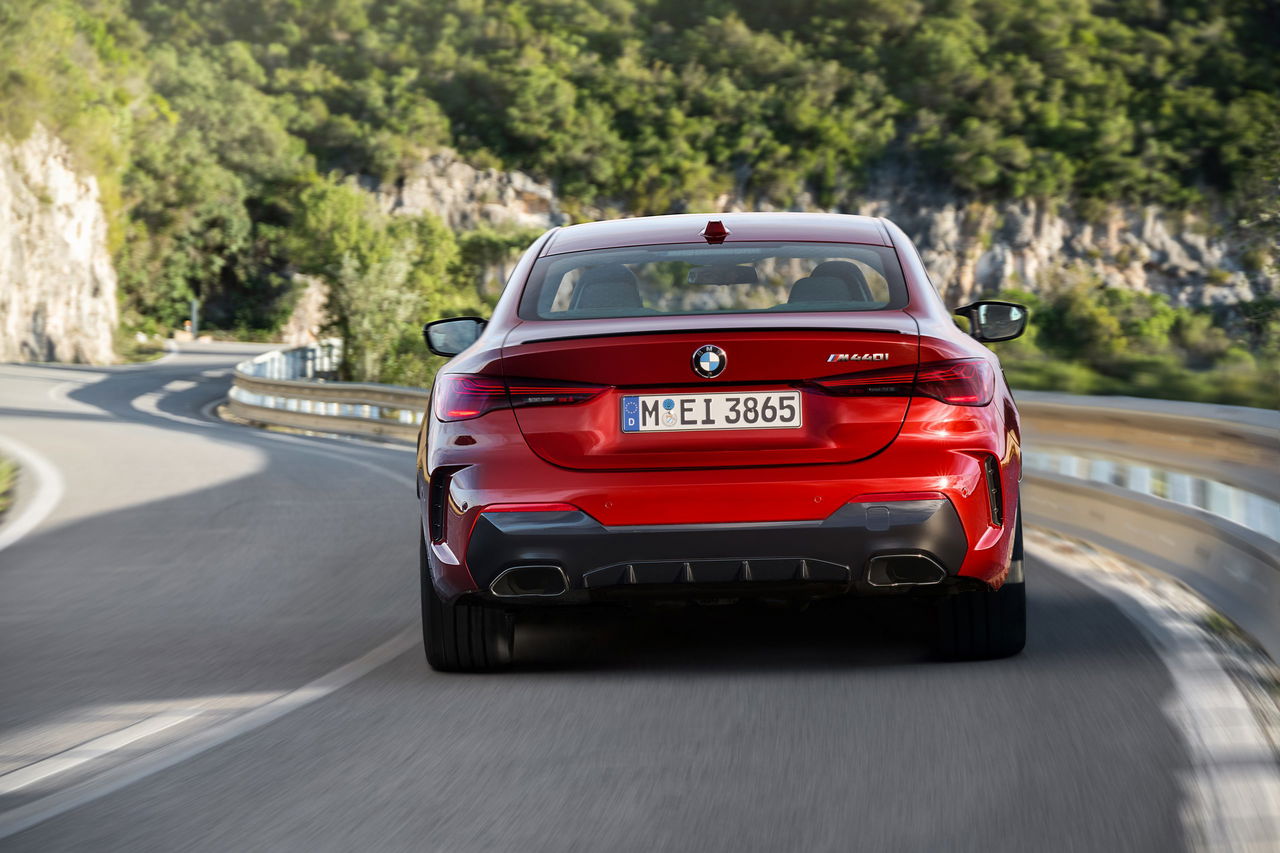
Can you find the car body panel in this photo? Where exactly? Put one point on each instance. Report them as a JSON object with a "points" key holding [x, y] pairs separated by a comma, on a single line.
{"points": [[575, 455], [743, 227], [833, 429]]}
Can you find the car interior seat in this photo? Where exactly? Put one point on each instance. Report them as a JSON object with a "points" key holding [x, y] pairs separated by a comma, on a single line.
{"points": [[607, 287], [819, 289], [852, 276]]}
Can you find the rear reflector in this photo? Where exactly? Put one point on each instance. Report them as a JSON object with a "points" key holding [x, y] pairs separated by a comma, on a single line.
{"points": [[958, 381], [462, 396]]}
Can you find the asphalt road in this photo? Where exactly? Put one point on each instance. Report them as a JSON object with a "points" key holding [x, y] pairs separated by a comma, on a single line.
{"points": [[193, 571]]}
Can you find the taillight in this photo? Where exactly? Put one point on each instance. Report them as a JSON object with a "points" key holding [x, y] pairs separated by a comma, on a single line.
{"points": [[958, 381], [462, 396]]}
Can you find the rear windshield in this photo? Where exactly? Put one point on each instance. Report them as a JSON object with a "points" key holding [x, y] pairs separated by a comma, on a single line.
{"points": [[735, 278]]}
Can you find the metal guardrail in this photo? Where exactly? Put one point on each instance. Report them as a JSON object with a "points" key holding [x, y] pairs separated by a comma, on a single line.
{"points": [[1188, 488], [294, 388], [1200, 432]]}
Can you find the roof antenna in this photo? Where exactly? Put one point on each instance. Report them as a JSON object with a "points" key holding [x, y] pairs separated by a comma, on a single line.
{"points": [[714, 232]]}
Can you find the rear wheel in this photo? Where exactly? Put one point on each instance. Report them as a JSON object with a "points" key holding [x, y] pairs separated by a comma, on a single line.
{"points": [[462, 636], [985, 624]]}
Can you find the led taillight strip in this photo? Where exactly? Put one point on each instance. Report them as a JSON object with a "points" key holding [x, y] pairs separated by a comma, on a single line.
{"points": [[957, 381], [462, 396]]}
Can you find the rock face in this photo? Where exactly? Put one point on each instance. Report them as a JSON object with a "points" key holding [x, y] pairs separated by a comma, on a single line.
{"points": [[970, 249], [57, 284], [310, 315], [466, 197], [973, 249]]}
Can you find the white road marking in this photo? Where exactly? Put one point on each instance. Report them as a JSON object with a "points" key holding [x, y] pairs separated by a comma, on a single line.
{"points": [[26, 816], [35, 472], [24, 745], [58, 393], [149, 404], [1233, 789], [85, 752], [165, 756]]}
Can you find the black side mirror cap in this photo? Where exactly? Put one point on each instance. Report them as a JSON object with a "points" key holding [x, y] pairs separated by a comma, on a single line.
{"points": [[992, 320], [451, 336]]}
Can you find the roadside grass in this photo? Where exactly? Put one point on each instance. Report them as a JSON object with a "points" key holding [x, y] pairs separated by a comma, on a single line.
{"points": [[1158, 378], [8, 481], [132, 351], [242, 335]]}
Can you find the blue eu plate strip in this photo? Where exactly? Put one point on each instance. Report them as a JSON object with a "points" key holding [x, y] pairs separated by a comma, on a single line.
{"points": [[630, 414]]}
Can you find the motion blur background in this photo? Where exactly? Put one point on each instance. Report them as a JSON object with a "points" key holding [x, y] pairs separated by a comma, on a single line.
{"points": [[209, 634]]}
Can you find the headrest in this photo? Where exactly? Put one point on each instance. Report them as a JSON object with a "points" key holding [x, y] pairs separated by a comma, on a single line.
{"points": [[851, 274], [819, 289], [608, 286]]}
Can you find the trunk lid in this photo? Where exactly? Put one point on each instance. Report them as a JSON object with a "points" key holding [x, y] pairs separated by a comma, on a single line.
{"points": [[638, 356]]}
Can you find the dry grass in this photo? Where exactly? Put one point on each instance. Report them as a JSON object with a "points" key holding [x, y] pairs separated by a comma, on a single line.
{"points": [[8, 479]]}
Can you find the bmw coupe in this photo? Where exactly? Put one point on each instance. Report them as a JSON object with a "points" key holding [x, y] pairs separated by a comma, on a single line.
{"points": [[744, 405]]}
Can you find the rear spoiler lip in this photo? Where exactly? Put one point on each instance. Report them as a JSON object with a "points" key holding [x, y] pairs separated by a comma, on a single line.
{"points": [[710, 330]]}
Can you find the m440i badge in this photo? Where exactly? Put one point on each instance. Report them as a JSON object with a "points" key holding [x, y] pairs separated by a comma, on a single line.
{"points": [[858, 356]]}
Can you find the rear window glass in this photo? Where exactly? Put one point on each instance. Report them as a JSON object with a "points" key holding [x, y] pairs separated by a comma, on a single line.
{"points": [[734, 278]]}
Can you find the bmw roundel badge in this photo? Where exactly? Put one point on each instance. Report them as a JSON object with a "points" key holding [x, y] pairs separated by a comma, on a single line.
{"points": [[709, 361]]}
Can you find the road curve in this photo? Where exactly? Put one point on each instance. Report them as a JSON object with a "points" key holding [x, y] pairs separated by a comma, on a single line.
{"points": [[194, 571]]}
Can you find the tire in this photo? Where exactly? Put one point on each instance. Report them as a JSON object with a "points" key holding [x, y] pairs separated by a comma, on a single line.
{"points": [[462, 636], [985, 624]]}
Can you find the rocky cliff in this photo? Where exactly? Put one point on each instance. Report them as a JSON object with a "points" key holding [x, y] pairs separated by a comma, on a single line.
{"points": [[466, 197], [973, 249], [970, 248], [57, 284], [58, 287]]}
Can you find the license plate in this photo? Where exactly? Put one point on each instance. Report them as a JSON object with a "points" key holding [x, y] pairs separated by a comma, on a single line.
{"points": [[684, 412]]}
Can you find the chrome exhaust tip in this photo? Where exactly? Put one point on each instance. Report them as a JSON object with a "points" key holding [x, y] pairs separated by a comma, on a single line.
{"points": [[888, 570], [530, 582]]}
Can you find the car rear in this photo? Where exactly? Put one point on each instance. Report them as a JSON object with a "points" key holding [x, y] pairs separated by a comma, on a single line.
{"points": [[716, 419]]}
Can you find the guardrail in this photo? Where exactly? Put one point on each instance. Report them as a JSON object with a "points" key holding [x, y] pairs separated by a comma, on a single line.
{"points": [[294, 388], [1190, 489]]}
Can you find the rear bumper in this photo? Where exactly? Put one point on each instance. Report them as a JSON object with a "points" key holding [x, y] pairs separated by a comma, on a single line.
{"points": [[804, 558], [736, 512]]}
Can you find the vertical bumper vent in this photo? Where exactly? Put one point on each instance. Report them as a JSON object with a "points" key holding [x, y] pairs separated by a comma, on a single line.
{"points": [[995, 494], [437, 496]]}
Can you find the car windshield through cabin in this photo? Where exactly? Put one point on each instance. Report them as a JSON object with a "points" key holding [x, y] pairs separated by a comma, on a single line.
{"points": [[736, 278]]}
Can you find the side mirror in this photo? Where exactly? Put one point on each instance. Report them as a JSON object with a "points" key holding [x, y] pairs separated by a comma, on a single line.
{"points": [[991, 320], [450, 337]]}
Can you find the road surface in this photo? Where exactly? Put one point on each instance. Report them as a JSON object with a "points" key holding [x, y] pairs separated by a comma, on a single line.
{"points": [[193, 574]]}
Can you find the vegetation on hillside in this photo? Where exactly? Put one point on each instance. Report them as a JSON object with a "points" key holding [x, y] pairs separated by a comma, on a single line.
{"points": [[1088, 339], [227, 133]]}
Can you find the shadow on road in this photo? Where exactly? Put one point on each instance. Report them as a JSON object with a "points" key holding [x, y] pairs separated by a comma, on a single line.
{"points": [[740, 636], [1068, 624]]}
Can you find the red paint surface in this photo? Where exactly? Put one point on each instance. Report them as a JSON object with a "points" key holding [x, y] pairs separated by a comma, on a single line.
{"points": [[849, 447]]}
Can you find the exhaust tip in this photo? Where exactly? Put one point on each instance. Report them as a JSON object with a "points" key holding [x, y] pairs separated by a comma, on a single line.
{"points": [[530, 582], [904, 570]]}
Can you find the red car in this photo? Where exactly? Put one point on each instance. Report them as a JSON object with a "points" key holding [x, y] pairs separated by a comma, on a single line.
{"points": [[684, 407]]}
